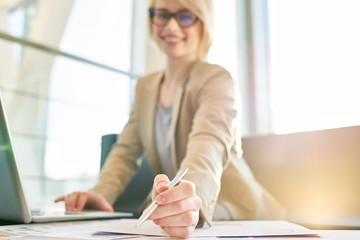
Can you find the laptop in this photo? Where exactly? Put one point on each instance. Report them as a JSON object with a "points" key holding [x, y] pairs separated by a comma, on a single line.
{"points": [[13, 204]]}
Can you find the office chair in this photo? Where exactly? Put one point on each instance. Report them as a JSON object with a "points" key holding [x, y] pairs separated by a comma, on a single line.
{"points": [[139, 186]]}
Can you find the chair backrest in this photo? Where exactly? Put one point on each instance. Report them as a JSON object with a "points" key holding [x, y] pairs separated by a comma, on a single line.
{"points": [[315, 175], [139, 186]]}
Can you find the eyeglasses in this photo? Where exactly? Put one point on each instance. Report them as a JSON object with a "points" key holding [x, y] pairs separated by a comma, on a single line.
{"points": [[184, 17]]}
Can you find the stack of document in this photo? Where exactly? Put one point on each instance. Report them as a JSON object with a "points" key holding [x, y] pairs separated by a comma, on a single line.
{"points": [[222, 229]]}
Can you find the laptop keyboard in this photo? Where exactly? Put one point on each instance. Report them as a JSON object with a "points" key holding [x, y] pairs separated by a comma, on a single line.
{"points": [[39, 212], [36, 212]]}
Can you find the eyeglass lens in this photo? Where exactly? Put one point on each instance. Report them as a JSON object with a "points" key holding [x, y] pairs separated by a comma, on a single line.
{"points": [[184, 17]]}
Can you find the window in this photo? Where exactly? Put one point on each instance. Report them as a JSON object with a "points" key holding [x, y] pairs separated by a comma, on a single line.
{"points": [[224, 49], [58, 107], [314, 64], [94, 101]]}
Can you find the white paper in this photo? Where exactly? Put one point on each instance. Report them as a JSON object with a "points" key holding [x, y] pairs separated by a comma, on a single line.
{"points": [[219, 229], [62, 230], [127, 226], [252, 229]]}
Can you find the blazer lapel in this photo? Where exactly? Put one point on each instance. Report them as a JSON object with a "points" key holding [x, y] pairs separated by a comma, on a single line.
{"points": [[147, 110], [175, 114]]}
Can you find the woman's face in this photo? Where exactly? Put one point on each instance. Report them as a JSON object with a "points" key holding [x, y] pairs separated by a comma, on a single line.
{"points": [[175, 41]]}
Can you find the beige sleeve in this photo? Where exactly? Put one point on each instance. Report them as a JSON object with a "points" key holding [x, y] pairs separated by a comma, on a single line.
{"points": [[211, 137]]}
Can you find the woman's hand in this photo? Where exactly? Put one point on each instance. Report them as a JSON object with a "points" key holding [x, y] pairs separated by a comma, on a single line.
{"points": [[76, 201], [178, 211]]}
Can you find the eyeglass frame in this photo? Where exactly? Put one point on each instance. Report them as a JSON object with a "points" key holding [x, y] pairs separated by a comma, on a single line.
{"points": [[171, 15]]}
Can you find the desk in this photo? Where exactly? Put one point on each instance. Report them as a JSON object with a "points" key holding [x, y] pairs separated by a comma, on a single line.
{"points": [[324, 234], [86, 230]]}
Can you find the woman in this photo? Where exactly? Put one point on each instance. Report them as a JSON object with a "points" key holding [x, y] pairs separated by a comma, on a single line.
{"points": [[184, 117]]}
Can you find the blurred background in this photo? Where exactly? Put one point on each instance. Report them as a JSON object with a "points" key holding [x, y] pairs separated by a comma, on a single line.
{"points": [[68, 69]]}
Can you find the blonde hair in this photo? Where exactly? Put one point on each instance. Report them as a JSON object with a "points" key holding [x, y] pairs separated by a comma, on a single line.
{"points": [[204, 10]]}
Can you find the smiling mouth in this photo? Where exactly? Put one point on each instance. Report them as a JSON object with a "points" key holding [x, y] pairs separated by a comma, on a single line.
{"points": [[172, 39]]}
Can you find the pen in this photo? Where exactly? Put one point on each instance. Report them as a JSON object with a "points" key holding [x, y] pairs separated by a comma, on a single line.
{"points": [[146, 214]]}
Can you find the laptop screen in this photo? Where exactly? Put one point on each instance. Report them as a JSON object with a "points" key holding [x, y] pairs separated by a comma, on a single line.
{"points": [[13, 205]]}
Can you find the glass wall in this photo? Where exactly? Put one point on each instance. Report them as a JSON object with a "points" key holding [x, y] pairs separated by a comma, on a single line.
{"points": [[225, 47], [314, 64], [63, 94]]}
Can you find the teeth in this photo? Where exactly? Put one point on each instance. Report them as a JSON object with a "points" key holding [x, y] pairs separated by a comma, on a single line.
{"points": [[172, 39]]}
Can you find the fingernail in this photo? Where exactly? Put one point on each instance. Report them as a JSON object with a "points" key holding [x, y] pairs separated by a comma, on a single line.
{"points": [[156, 221], [160, 199]]}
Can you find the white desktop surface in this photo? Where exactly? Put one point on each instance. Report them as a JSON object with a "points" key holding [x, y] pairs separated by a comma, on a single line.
{"points": [[86, 230], [323, 234]]}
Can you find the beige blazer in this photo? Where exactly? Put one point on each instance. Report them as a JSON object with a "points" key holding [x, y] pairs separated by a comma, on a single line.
{"points": [[205, 138]]}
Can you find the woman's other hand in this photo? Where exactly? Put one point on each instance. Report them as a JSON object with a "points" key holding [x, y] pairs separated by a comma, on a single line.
{"points": [[178, 211], [77, 201]]}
